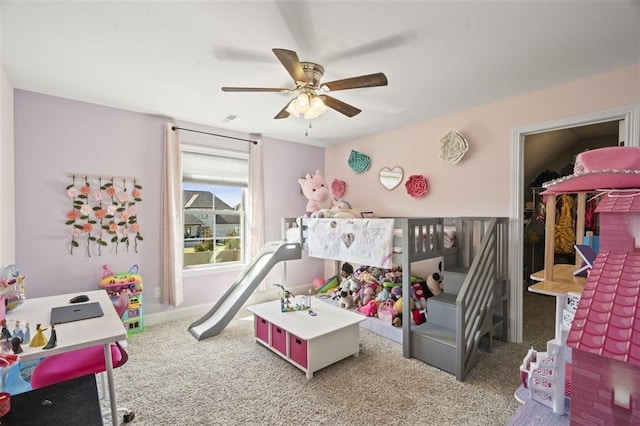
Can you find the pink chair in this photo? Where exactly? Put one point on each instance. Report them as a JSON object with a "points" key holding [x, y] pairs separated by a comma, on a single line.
{"points": [[71, 365]]}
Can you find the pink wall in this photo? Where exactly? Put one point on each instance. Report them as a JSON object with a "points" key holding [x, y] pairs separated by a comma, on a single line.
{"points": [[480, 184], [55, 136]]}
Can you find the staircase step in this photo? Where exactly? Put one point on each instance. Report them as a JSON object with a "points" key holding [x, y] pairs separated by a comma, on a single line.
{"points": [[441, 310], [453, 279], [435, 345], [444, 335]]}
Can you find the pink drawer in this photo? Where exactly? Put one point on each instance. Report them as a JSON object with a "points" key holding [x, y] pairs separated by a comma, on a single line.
{"points": [[298, 350], [279, 339], [262, 329]]}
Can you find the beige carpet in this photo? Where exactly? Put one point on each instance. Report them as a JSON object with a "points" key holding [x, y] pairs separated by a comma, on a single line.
{"points": [[172, 379]]}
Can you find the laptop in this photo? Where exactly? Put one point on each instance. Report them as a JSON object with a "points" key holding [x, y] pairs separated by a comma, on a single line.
{"points": [[75, 312], [588, 257]]}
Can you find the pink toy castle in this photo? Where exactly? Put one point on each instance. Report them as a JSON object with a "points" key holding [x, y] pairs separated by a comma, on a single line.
{"points": [[605, 332]]}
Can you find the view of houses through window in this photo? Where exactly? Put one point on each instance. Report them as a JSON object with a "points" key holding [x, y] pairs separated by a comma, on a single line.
{"points": [[214, 199], [213, 224]]}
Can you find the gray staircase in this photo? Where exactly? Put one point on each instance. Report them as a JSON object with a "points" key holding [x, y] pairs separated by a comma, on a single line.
{"points": [[474, 306]]}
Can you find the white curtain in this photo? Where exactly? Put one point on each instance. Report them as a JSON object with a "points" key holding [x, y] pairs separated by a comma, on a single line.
{"points": [[172, 251], [256, 194]]}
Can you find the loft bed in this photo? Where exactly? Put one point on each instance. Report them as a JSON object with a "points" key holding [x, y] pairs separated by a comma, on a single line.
{"points": [[474, 306]]}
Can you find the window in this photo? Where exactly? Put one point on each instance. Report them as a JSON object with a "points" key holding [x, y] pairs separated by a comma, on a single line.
{"points": [[214, 192]]}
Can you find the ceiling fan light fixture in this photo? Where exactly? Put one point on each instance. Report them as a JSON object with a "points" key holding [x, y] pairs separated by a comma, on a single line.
{"points": [[291, 109], [316, 108], [307, 105], [302, 103]]}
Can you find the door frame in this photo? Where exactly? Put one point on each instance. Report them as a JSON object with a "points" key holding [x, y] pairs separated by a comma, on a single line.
{"points": [[630, 130]]}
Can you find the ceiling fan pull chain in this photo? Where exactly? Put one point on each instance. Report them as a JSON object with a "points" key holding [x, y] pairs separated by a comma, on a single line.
{"points": [[306, 132]]}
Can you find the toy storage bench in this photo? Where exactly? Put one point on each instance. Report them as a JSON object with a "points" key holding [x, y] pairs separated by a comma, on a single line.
{"points": [[308, 342]]}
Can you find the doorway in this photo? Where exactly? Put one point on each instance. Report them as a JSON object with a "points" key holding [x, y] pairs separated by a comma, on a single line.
{"points": [[629, 132], [549, 155]]}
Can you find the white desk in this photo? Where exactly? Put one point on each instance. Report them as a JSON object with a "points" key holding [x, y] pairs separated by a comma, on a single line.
{"points": [[74, 335], [308, 342]]}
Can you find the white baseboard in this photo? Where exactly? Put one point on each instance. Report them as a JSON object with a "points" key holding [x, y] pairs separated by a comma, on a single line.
{"points": [[177, 314]]}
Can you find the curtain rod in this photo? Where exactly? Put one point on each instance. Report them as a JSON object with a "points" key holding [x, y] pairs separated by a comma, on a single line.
{"points": [[174, 128]]}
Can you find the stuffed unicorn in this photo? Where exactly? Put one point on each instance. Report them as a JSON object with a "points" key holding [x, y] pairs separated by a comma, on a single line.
{"points": [[317, 193]]}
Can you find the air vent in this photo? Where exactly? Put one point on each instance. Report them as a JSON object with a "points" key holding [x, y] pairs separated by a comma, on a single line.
{"points": [[229, 117]]}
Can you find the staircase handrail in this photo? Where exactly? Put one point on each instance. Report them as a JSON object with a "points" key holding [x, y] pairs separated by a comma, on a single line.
{"points": [[475, 298]]}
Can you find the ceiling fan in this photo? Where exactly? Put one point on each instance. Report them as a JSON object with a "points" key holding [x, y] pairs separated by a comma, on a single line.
{"points": [[312, 99]]}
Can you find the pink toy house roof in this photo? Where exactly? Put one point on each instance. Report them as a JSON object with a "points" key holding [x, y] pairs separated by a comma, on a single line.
{"points": [[607, 321], [622, 203]]}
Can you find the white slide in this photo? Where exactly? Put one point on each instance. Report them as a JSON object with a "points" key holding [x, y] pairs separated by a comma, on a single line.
{"points": [[214, 321]]}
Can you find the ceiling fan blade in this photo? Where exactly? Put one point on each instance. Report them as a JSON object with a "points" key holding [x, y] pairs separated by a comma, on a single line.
{"points": [[283, 112], [290, 60], [226, 53], [374, 47], [370, 80], [340, 106], [255, 89]]}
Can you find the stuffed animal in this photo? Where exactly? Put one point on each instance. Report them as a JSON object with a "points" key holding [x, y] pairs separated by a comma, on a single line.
{"points": [[394, 275], [377, 273], [397, 319], [396, 292], [367, 294], [346, 299], [358, 272], [350, 284], [420, 295], [384, 295], [434, 282], [340, 210], [370, 309], [346, 270], [317, 193]]}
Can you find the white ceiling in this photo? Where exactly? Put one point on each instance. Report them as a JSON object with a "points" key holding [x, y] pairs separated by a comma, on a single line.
{"points": [[171, 58]]}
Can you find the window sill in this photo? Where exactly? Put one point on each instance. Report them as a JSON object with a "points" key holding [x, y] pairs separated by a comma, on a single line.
{"points": [[212, 270]]}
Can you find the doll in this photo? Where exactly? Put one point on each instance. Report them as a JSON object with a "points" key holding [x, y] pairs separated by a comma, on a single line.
{"points": [[53, 339], [38, 339]]}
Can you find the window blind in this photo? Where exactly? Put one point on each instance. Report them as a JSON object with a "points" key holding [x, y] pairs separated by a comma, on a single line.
{"points": [[216, 168]]}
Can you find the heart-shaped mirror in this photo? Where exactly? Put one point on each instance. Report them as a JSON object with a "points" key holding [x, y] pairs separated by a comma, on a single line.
{"points": [[390, 178]]}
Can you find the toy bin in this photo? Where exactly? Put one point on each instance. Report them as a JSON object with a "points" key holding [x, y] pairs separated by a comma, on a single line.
{"points": [[262, 329], [279, 339], [298, 350]]}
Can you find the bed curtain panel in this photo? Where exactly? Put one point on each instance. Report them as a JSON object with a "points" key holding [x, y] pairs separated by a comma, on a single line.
{"points": [[172, 251], [362, 241]]}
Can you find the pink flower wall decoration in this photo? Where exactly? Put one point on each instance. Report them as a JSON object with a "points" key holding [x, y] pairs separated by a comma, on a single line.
{"points": [[417, 186], [104, 214], [338, 188]]}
